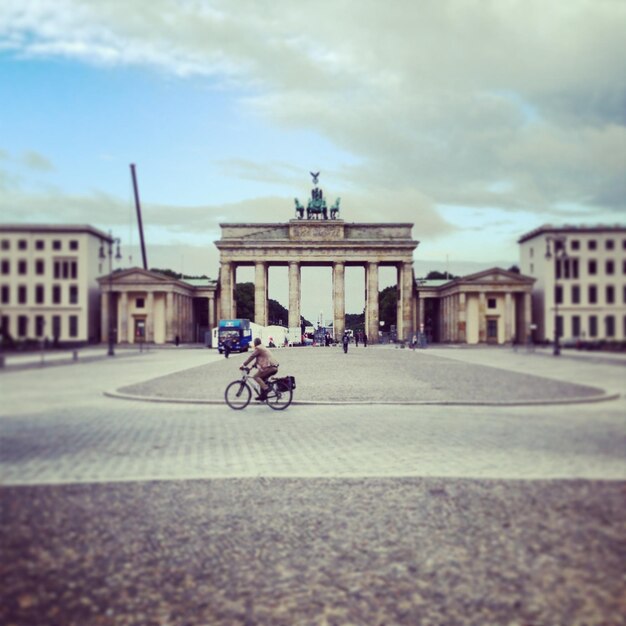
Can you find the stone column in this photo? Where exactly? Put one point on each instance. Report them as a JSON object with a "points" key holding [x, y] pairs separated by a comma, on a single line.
{"points": [[150, 317], [294, 294], [462, 326], [227, 308], [211, 316], [405, 303], [169, 316], [339, 299], [482, 317], [371, 306], [509, 325], [527, 318], [105, 312], [260, 293], [124, 317]]}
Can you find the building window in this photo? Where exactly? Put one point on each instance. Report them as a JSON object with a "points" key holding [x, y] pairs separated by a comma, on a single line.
{"points": [[40, 267], [39, 294], [624, 248], [575, 326], [6, 244], [40, 323], [65, 269], [575, 294], [22, 294], [624, 266], [575, 244], [140, 303], [610, 294], [56, 326], [40, 244], [56, 294], [558, 294], [22, 244], [593, 326], [73, 245], [609, 267], [592, 267], [532, 268], [22, 267], [22, 325], [73, 294], [5, 290], [56, 244], [592, 244], [609, 244], [6, 324], [624, 299], [593, 294], [532, 252], [559, 326], [492, 303], [6, 266], [73, 325], [609, 325]]}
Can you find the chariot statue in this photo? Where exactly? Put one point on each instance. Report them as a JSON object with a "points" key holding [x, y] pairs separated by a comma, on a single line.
{"points": [[316, 208]]}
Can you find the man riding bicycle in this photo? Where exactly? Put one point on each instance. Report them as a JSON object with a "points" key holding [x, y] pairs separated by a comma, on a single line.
{"points": [[266, 366]]}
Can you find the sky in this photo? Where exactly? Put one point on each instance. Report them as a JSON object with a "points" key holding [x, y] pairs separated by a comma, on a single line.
{"points": [[475, 120]]}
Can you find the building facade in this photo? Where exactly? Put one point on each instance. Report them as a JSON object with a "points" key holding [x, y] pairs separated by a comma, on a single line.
{"points": [[146, 306], [48, 282], [580, 286], [492, 306]]}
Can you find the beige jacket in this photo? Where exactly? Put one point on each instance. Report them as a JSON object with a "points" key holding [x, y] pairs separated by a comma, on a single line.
{"points": [[264, 358]]}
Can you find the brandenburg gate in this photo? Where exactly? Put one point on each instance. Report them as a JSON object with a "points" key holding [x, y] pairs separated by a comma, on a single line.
{"points": [[320, 243]]}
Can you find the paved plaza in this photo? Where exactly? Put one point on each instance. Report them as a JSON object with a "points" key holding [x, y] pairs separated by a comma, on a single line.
{"points": [[441, 486]]}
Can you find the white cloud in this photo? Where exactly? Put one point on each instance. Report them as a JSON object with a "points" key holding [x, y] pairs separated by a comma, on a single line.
{"points": [[441, 98]]}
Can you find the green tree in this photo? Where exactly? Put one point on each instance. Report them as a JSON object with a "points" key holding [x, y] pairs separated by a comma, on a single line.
{"points": [[435, 275], [388, 306], [244, 296]]}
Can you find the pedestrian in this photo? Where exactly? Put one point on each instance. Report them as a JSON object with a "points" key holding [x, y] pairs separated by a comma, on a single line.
{"points": [[364, 340], [227, 348], [414, 342], [356, 339], [177, 341], [266, 366], [346, 341]]}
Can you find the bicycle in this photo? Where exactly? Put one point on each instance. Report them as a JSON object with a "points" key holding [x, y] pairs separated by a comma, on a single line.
{"points": [[279, 392]]}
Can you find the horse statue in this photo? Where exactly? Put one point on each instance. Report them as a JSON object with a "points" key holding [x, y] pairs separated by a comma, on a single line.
{"points": [[316, 209], [334, 209], [299, 209]]}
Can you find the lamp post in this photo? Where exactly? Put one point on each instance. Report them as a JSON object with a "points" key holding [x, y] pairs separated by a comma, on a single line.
{"points": [[560, 254], [104, 252]]}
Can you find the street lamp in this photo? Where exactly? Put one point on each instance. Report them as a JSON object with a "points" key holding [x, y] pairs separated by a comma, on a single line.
{"points": [[104, 252], [560, 254]]}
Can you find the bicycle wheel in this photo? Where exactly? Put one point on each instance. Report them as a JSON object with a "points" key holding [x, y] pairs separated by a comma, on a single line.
{"points": [[237, 395], [279, 395]]}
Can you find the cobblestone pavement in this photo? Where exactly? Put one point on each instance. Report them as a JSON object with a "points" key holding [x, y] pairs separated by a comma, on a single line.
{"points": [[117, 512], [373, 375]]}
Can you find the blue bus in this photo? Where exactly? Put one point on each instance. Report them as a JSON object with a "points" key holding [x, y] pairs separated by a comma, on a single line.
{"points": [[238, 332]]}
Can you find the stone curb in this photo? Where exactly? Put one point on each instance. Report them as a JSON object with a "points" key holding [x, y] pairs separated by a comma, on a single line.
{"points": [[603, 397]]}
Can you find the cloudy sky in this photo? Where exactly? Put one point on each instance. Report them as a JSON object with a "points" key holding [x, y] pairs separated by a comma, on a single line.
{"points": [[475, 120]]}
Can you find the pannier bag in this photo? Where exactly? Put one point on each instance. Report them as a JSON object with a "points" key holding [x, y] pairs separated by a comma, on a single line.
{"points": [[290, 381]]}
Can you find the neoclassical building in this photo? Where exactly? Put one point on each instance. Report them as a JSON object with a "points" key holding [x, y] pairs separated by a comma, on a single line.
{"points": [[146, 306], [493, 306]]}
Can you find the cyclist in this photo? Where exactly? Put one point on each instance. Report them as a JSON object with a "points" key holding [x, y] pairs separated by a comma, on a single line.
{"points": [[266, 366]]}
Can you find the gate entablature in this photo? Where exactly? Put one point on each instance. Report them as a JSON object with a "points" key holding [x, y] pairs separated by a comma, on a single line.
{"points": [[333, 242]]}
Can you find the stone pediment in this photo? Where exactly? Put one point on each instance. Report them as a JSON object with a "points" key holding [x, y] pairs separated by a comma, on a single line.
{"points": [[137, 275], [496, 275]]}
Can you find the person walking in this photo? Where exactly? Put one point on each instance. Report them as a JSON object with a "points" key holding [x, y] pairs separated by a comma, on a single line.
{"points": [[356, 339], [346, 341], [227, 347], [364, 340], [266, 366]]}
